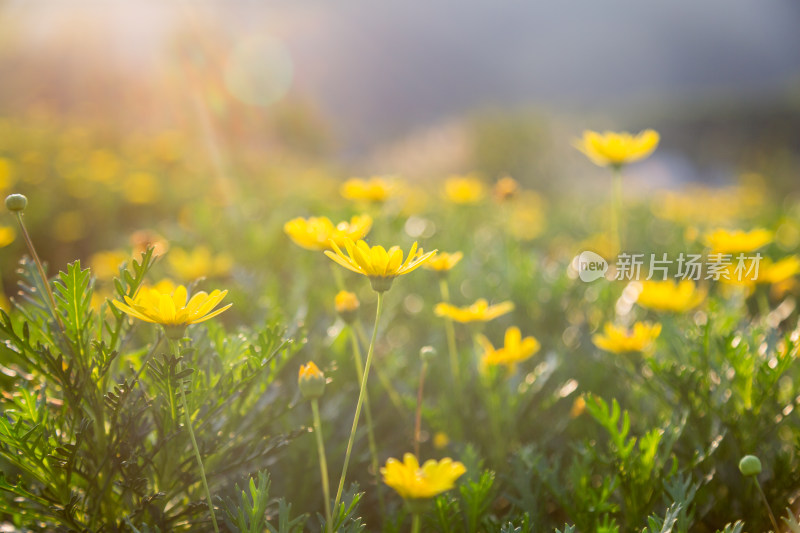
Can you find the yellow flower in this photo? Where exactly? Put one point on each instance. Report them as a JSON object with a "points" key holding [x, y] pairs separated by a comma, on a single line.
{"points": [[670, 296], [414, 483], [480, 311], [376, 189], [171, 309], [105, 265], [141, 188], [347, 305], [620, 340], [7, 235], [616, 149], [463, 189], [779, 271], [725, 242], [578, 407], [440, 440], [311, 381], [505, 189], [316, 233], [381, 266], [199, 263], [143, 239], [515, 350], [444, 261]]}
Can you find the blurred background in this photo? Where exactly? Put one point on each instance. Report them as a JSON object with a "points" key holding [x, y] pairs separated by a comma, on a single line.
{"points": [[120, 115]]}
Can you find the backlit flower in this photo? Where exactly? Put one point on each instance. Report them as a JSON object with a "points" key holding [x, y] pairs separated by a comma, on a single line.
{"points": [[444, 261], [617, 339], [316, 233], [311, 381], [377, 189], [347, 305], [381, 266], [173, 310], [670, 296], [198, 263], [413, 482], [725, 242], [105, 265], [480, 311], [779, 271], [616, 149], [505, 189], [514, 350], [464, 189]]}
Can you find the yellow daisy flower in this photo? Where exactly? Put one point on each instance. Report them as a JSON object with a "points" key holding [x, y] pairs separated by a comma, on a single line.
{"points": [[171, 309], [443, 261], [464, 190], [376, 189], [414, 483], [670, 296], [316, 233], [515, 349], [198, 263], [480, 311], [381, 266], [616, 339], [616, 149], [722, 241]]}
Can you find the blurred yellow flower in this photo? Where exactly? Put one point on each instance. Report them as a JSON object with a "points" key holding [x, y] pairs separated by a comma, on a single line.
{"points": [[526, 219], [172, 310], [464, 189], [440, 440], [704, 205], [199, 263], [6, 174], [141, 188], [578, 407], [143, 239], [514, 350], [778, 271], [670, 296], [105, 265], [316, 233], [376, 189], [722, 241], [7, 235], [443, 261], [69, 226], [505, 189], [346, 302], [616, 149], [480, 311], [414, 483], [381, 266], [618, 339]]}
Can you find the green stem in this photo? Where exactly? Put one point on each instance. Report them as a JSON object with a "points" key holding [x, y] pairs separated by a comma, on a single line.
{"points": [[386, 383], [766, 504], [40, 268], [418, 418], [323, 464], [450, 332], [373, 448], [188, 421], [352, 438], [337, 276], [616, 208], [415, 523]]}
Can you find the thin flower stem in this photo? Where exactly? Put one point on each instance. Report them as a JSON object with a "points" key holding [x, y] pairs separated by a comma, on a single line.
{"points": [[188, 421], [40, 268], [394, 396], [415, 523], [323, 464], [352, 438], [337, 276], [450, 331], [766, 504], [418, 418], [373, 448], [616, 208]]}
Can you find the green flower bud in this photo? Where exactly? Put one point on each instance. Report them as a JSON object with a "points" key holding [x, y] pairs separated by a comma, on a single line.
{"points": [[311, 381], [427, 353], [16, 202], [750, 465]]}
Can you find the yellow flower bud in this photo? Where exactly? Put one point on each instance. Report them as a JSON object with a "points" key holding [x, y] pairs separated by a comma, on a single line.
{"points": [[311, 381]]}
